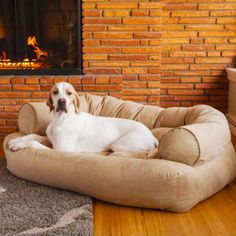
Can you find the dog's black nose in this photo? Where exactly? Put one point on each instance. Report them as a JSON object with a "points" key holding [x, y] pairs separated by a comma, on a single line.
{"points": [[62, 102]]}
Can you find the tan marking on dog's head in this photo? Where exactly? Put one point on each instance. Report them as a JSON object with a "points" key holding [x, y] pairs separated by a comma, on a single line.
{"points": [[49, 101], [75, 99]]}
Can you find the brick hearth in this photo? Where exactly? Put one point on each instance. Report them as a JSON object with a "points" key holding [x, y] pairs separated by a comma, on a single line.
{"points": [[169, 53]]}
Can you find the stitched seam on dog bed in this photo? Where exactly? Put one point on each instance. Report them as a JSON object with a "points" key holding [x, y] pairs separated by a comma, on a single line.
{"points": [[103, 103], [185, 117], [199, 149], [138, 112]]}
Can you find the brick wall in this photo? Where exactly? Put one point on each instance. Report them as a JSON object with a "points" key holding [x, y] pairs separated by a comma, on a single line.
{"points": [[122, 45], [172, 53], [198, 43]]}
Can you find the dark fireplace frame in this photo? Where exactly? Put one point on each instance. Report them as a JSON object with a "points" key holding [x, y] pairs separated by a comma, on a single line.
{"points": [[64, 71]]}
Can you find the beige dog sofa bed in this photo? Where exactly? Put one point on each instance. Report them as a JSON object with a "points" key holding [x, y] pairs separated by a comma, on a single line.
{"points": [[195, 160]]}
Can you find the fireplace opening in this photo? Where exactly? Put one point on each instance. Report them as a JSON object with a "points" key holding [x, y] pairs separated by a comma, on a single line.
{"points": [[40, 37]]}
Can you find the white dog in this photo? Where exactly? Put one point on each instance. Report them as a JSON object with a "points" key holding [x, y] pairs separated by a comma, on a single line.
{"points": [[76, 131]]}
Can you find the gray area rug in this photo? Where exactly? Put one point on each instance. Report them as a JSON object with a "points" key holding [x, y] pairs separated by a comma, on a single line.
{"points": [[31, 209]]}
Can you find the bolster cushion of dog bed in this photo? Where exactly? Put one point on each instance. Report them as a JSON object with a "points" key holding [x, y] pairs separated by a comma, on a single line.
{"points": [[195, 158]]}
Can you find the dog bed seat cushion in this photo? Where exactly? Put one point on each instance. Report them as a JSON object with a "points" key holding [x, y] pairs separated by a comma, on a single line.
{"points": [[195, 159]]}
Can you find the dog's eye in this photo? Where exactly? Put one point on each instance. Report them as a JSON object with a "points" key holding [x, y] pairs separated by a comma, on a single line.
{"points": [[55, 92], [69, 93]]}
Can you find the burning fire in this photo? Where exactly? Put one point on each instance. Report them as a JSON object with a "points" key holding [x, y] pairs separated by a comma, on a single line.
{"points": [[33, 42], [6, 64], [4, 55]]}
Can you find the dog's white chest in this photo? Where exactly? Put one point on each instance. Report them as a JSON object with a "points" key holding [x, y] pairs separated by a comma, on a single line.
{"points": [[62, 135]]}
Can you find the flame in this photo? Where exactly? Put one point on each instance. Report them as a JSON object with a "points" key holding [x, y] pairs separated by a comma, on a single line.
{"points": [[7, 64], [33, 42], [4, 55]]}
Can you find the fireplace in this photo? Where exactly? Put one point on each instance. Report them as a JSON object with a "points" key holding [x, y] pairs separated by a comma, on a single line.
{"points": [[40, 37]]}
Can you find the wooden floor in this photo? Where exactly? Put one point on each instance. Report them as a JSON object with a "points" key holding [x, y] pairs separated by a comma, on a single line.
{"points": [[215, 216]]}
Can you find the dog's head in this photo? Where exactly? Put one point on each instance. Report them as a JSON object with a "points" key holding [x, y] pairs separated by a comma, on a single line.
{"points": [[63, 98]]}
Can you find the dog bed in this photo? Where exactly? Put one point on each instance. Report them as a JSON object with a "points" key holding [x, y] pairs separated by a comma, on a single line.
{"points": [[195, 159]]}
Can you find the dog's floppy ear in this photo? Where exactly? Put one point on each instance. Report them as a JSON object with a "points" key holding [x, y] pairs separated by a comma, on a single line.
{"points": [[50, 103], [76, 101]]}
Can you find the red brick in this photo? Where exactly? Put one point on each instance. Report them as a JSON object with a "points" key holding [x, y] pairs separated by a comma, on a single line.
{"points": [[209, 86], [101, 21], [109, 35], [102, 80], [127, 58], [185, 92], [136, 84], [7, 101], [141, 92], [13, 94], [134, 70], [128, 28], [94, 28], [8, 116], [45, 87], [117, 42], [58, 79], [116, 13], [88, 80], [91, 42], [116, 79], [11, 108], [39, 95], [124, 5], [46, 80], [74, 79], [26, 87], [198, 47], [150, 5], [170, 104], [101, 71], [185, 6], [23, 101], [101, 87], [32, 80], [2, 122], [7, 129], [141, 50], [111, 64], [213, 60], [101, 50], [170, 80], [10, 123], [147, 35], [139, 13], [91, 13], [5, 80], [16, 80], [135, 98], [5, 87], [196, 41], [191, 98], [142, 21]]}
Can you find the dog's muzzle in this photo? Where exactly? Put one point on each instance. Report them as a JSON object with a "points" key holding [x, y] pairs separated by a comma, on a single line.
{"points": [[61, 105]]}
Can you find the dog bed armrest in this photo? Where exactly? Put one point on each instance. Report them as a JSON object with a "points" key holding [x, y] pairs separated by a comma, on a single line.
{"points": [[34, 118], [205, 132]]}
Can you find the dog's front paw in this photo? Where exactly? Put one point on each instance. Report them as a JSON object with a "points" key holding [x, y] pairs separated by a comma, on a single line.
{"points": [[15, 144]]}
